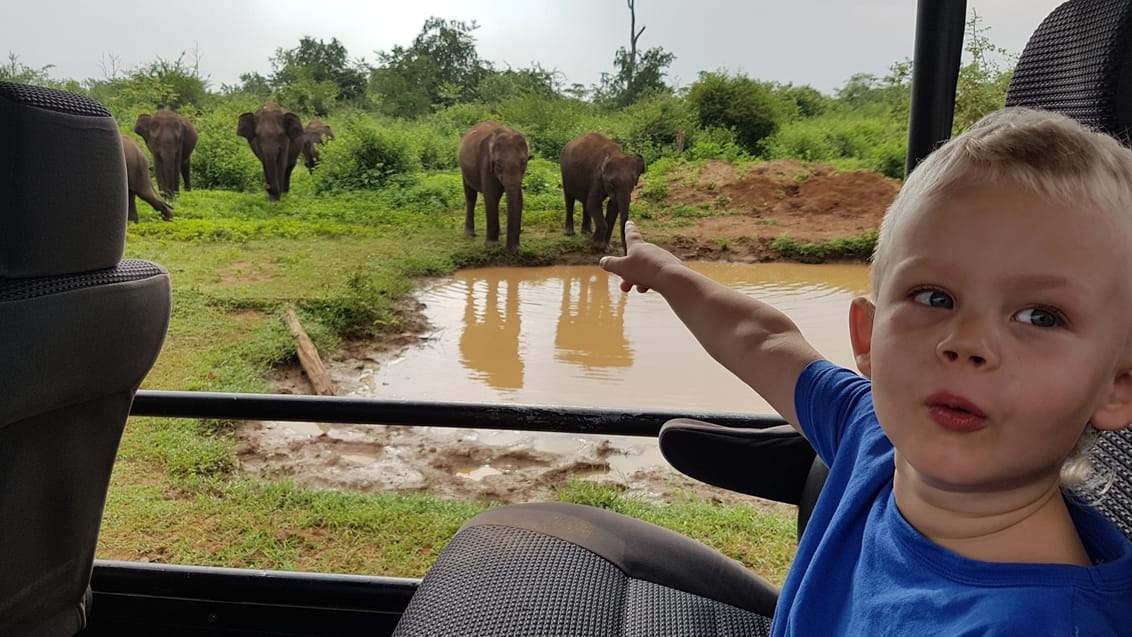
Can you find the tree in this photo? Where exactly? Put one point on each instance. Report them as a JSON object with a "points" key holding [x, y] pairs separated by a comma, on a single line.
{"points": [[535, 81], [441, 68], [982, 84], [315, 74], [638, 75], [251, 83], [16, 71]]}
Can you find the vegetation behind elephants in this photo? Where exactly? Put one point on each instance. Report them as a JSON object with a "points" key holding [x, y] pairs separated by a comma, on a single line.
{"points": [[736, 169]]}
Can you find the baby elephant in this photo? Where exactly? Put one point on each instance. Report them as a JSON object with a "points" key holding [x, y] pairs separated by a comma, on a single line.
{"points": [[493, 160], [315, 134], [593, 168], [137, 181]]}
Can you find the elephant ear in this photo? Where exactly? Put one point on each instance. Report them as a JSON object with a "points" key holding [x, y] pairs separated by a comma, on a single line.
{"points": [[141, 127], [246, 127], [640, 163], [293, 126]]}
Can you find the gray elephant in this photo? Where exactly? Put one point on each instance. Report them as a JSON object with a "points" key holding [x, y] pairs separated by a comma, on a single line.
{"points": [[137, 181], [276, 137], [493, 161], [314, 135], [171, 139], [593, 169]]}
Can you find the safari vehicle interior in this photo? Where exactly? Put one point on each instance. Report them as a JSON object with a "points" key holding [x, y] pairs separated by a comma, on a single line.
{"points": [[73, 368]]}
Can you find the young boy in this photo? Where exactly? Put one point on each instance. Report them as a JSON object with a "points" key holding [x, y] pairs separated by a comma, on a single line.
{"points": [[998, 333]]}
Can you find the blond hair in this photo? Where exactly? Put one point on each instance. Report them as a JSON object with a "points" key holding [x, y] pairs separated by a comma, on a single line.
{"points": [[1042, 152], [1046, 154]]}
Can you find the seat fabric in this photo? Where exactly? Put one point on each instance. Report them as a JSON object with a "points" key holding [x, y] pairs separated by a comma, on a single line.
{"points": [[79, 330], [566, 569]]}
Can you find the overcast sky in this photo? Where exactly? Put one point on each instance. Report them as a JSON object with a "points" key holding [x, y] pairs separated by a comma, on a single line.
{"points": [[816, 42]]}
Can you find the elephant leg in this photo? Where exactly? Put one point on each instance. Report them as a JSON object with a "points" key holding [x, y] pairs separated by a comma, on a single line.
{"points": [[570, 215], [132, 210], [600, 233], [470, 210], [587, 210], [491, 204], [611, 214], [152, 199], [185, 174], [290, 168]]}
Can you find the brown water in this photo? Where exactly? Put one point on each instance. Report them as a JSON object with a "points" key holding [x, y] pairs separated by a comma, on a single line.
{"points": [[557, 335], [567, 335]]}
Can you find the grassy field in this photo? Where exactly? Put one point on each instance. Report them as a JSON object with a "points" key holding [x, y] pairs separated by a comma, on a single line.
{"points": [[344, 262]]}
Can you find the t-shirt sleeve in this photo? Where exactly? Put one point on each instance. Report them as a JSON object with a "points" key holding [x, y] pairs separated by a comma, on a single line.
{"points": [[827, 399]]}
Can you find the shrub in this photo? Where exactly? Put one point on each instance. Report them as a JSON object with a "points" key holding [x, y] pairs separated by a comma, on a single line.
{"points": [[751, 108], [222, 159], [652, 127], [365, 154], [877, 143], [548, 124]]}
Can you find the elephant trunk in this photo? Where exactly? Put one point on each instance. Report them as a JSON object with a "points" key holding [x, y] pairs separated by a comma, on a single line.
{"points": [[273, 171], [622, 198], [166, 168], [514, 216]]}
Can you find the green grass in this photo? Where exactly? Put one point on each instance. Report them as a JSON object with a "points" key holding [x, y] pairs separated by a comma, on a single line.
{"points": [[345, 262]]}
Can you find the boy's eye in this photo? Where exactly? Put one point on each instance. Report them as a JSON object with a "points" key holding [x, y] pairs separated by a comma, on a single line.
{"points": [[1038, 317], [934, 298]]}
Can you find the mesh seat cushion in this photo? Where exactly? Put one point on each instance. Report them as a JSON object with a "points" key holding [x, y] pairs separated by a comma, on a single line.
{"points": [[564, 569]]}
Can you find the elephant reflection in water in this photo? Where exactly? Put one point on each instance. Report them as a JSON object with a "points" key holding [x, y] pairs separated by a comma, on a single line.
{"points": [[591, 329], [490, 342]]}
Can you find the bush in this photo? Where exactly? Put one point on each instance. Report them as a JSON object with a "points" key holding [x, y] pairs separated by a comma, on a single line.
{"points": [[222, 159], [877, 143], [717, 143], [652, 127], [365, 154], [752, 109], [548, 124]]}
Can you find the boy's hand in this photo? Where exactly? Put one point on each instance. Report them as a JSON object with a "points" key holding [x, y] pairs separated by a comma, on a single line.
{"points": [[642, 265]]}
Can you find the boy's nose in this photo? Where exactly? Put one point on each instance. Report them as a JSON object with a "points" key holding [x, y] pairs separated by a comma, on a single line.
{"points": [[967, 343]]}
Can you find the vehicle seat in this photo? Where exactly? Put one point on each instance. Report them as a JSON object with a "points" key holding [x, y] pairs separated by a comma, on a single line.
{"points": [[79, 330]]}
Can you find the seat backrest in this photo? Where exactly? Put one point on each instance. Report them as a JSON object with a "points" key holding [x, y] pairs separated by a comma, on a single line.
{"points": [[79, 330], [1078, 63]]}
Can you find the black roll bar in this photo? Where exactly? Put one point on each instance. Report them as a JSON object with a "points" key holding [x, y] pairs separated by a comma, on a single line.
{"points": [[935, 72], [369, 411]]}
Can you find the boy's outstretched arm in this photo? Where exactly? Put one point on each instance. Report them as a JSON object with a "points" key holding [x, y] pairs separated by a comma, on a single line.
{"points": [[752, 339]]}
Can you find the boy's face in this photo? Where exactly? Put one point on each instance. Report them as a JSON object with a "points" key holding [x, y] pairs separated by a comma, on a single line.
{"points": [[1001, 328]]}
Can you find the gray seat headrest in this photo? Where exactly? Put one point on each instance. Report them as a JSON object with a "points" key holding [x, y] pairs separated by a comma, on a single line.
{"points": [[59, 215]]}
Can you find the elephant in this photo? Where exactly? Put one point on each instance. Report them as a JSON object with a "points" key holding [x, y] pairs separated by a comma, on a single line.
{"points": [[171, 139], [276, 137], [594, 168], [314, 135], [493, 161], [137, 181]]}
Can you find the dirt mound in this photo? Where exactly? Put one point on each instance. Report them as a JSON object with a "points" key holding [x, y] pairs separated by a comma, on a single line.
{"points": [[747, 210]]}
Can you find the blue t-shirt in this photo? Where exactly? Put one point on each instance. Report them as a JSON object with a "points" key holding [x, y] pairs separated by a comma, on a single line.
{"points": [[861, 569]]}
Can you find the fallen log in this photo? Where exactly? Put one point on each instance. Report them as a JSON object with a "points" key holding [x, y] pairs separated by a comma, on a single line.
{"points": [[308, 356]]}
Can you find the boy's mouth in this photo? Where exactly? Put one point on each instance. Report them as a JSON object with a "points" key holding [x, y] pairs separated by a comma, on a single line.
{"points": [[955, 413]]}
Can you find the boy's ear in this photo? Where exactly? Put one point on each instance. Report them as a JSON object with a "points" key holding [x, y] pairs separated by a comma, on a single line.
{"points": [[861, 312], [1116, 413]]}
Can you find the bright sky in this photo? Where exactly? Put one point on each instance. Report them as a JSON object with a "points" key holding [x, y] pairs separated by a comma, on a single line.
{"points": [[816, 42]]}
